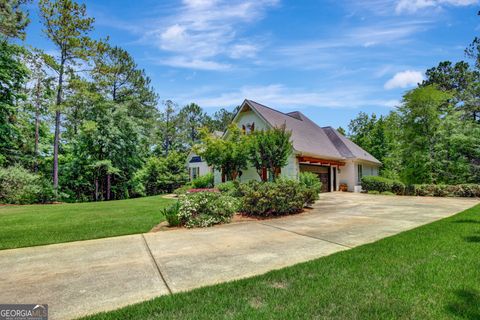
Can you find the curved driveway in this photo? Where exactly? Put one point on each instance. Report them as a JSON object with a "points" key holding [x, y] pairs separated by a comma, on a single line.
{"points": [[85, 277]]}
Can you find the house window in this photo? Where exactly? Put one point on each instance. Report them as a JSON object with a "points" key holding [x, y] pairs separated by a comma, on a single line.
{"points": [[248, 128], [360, 172], [194, 172]]}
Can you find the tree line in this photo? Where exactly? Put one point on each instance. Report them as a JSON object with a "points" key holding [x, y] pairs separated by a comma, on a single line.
{"points": [[86, 119], [433, 136]]}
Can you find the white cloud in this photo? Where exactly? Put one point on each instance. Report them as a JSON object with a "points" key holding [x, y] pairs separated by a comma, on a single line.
{"points": [[198, 64], [280, 96], [241, 51], [404, 79], [203, 32], [412, 6]]}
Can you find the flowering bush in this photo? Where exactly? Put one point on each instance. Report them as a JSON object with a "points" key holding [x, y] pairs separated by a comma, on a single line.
{"points": [[204, 209]]}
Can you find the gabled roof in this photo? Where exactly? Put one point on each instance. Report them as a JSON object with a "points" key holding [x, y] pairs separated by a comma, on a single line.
{"points": [[310, 139]]}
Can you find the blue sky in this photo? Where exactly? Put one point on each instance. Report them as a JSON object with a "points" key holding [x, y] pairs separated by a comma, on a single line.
{"points": [[328, 59]]}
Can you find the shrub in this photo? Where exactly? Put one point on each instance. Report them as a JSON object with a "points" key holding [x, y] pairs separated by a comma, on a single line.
{"points": [[203, 209], [171, 214], [273, 198], [313, 186], [19, 186], [440, 190], [381, 184], [161, 175], [231, 188], [182, 190], [205, 181]]}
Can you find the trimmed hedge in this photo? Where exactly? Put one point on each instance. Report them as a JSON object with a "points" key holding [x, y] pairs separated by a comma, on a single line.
{"points": [[372, 184], [381, 184], [442, 190], [266, 199]]}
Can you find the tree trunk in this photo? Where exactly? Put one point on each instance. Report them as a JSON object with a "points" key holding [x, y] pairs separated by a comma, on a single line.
{"points": [[37, 125], [108, 186], [56, 140], [96, 189]]}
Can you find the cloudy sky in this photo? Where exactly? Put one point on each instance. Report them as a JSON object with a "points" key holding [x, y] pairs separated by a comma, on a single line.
{"points": [[330, 59]]}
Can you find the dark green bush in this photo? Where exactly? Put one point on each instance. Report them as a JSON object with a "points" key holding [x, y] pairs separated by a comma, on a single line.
{"points": [[381, 184], [20, 186], [202, 182], [273, 198], [231, 188], [171, 214]]}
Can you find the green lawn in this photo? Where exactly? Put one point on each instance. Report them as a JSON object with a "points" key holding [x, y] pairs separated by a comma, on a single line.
{"points": [[32, 225], [432, 272]]}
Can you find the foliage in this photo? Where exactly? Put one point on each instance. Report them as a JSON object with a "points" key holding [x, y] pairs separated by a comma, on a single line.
{"points": [[227, 154], [205, 181], [204, 209], [442, 190], [269, 150], [313, 186], [162, 175], [172, 214], [281, 197], [381, 184], [231, 188], [13, 74], [183, 189], [18, 186], [13, 20], [67, 26]]}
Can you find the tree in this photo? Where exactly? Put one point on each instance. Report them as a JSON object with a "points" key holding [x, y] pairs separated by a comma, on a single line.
{"points": [[168, 133], [228, 155], [13, 20], [221, 119], [462, 82], [341, 131], [420, 119], [40, 95], [193, 119], [118, 78], [269, 150], [67, 26], [160, 175], [13, 74]]}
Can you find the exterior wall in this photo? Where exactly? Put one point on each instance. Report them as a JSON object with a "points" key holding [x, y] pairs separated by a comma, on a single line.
{"points": [[349, 173], [203, 166], [249, 117], [291, 170]]}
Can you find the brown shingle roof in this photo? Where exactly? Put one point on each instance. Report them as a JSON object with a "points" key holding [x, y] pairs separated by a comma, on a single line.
{"points": [[309, 138]]}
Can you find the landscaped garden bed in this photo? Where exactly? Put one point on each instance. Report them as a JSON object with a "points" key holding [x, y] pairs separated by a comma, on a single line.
{"points": [[207, 207], [381, 185]]}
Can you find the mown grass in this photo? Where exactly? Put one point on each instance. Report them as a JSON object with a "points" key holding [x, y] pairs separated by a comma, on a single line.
{"points": [[432, 272], [32, 225]]}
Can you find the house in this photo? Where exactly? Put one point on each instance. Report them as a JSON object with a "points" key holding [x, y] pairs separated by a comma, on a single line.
{"points": [[321, 150], [196, 166]]}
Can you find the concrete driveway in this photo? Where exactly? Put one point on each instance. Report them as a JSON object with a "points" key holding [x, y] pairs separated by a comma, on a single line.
{"points": [[85, 277]]}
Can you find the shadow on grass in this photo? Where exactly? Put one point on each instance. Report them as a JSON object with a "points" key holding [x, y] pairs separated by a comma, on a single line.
{"points": [[466, 221], [472, 239], [467, 305]]}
